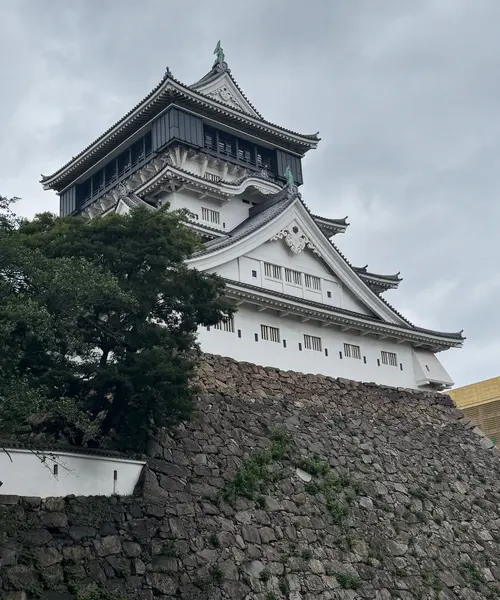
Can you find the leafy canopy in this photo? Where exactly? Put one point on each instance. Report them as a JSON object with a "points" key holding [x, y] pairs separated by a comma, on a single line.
{"points": [[98, 324]]}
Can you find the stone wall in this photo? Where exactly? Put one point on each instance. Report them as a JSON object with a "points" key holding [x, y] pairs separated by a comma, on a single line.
{"points": [[284, 486]]}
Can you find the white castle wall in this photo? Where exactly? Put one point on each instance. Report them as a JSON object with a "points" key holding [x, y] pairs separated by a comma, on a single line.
{"points": [[232, 213], [266, 353], [24, 473], [244, 268]]}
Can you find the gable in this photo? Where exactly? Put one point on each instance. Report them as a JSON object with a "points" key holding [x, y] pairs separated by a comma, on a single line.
{"points": [[329, 290], [224, 89], [294, 229]]}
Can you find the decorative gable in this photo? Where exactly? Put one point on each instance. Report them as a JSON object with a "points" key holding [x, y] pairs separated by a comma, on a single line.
{"points": [[295, 240], [221, 86]]}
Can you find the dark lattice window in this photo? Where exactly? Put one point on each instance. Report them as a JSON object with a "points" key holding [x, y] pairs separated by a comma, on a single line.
{"points": [[210, 140], [110, 173], [227, 145], [246, 152], [264, 159], [124, 162], [84, 192], [137, 152], [98, 182], [148, 144]]}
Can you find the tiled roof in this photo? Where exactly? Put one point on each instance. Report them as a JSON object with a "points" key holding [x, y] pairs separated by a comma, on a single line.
{"points": [[188, 91], [42, 446], [363, 271], [249, 225], [454, 335], [342, 222], [275, 206]]}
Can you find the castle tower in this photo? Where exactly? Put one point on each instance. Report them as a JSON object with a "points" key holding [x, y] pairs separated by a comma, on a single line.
{"points": [[301, 305]]}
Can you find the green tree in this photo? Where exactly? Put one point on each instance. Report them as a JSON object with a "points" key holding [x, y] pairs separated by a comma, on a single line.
{"points": [[98, 324]]}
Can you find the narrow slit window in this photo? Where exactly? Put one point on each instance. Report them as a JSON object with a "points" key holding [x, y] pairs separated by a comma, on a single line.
{"points": [[271, 334], [352, 351], [272, 271], [311, 342], [211, 216], [312, 282], [293, 277], [389, 358], [225, 325]]}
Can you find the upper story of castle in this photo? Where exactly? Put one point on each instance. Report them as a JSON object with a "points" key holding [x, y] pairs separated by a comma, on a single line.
{"points": [[208, 133]]}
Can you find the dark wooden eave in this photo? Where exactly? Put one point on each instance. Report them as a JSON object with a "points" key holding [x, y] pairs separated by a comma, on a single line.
{"points": [[171, 91]]}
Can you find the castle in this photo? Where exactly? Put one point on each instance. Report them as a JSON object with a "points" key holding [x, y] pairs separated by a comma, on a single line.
{"points": [[302, 305]]}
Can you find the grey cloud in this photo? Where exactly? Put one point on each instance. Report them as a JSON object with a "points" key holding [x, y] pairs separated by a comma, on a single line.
{"points": [[405, 96]]}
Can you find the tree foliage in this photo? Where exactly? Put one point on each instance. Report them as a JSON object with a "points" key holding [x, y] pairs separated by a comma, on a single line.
{"points": [[98, 324]]}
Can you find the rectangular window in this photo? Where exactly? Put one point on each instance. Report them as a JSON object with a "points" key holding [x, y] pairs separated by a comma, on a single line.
{"points": [[293, 277], [272, 271], [389, 358], [227, 325], [311, 342], [352, 351], [312, 282], [271, 334], [212, 216]]}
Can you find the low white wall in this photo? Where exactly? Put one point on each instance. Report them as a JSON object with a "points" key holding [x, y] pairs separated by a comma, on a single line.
{"points": [[53, 473]]}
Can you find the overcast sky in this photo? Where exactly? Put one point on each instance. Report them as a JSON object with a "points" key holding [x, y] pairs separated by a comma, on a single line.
{"points": [[405, 95]]}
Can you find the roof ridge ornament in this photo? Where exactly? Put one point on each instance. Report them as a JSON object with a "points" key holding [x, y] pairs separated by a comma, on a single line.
{"points": [[168, 72], [295, 240], [289, 176], [219, 52]]}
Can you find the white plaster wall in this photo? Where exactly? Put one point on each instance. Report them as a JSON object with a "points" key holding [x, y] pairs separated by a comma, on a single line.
{"points": [[232, 212], [266, 353], [78, 474], [278, 253], [350, 302]]}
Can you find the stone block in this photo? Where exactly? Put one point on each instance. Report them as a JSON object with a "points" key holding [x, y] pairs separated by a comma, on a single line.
{"points": [[162, 583], [108, 545], [54, 519], [164, 564], [21, 577], [9, 500], [131, 549]]}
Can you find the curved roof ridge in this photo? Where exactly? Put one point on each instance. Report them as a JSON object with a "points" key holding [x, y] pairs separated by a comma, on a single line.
{"points": [[364, 271], [342, 221], [168, 77], [374, 319]]}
